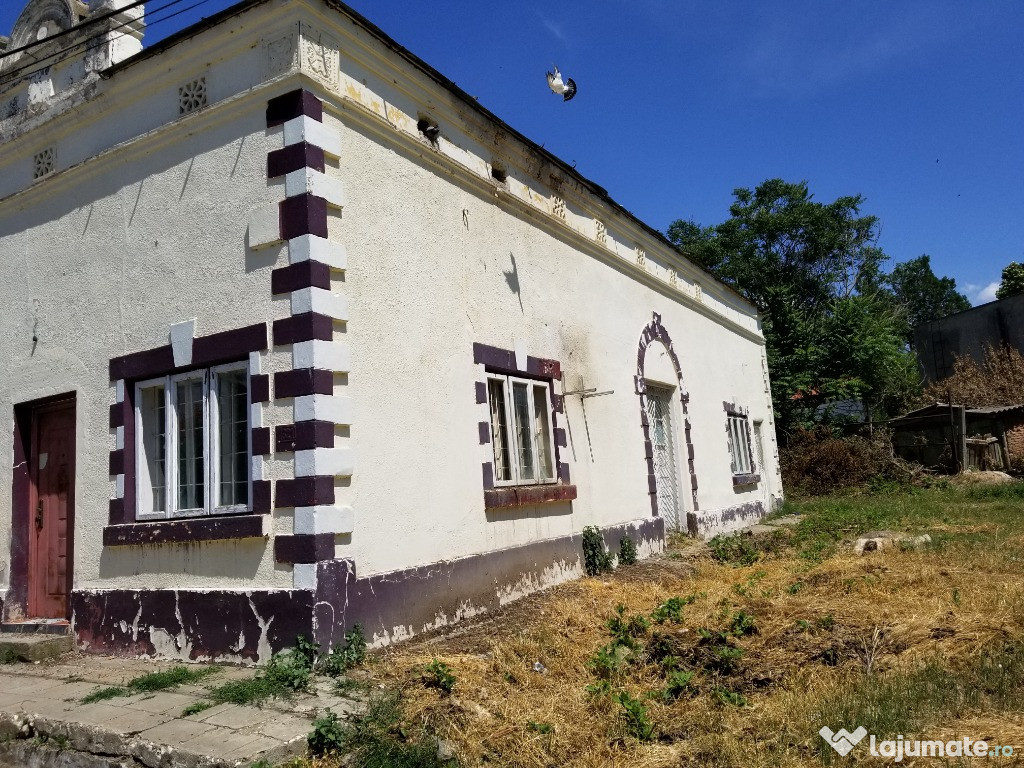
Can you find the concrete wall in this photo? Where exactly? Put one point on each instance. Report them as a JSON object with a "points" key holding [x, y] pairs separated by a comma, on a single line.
{"points": [[968, 334]]}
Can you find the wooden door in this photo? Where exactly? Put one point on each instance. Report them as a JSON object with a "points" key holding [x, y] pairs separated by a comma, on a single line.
{"points": [[51, 509]]}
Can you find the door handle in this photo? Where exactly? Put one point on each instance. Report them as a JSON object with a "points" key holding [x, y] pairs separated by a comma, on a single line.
{"points": [[39, 515]]}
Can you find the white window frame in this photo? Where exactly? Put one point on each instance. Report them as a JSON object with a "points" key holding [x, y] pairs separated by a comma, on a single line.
{"points": [[513, 433], [738, 430], [211, 444]]}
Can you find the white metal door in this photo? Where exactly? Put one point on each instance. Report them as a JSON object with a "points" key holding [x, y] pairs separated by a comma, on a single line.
{"points": [[659, 416]]}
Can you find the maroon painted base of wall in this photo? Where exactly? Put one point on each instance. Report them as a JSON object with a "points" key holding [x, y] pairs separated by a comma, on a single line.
{"points": [[418, 599], [198, 624], [705, 525], [221, 624]]}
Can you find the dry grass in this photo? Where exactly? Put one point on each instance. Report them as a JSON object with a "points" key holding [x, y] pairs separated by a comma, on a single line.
{"points": [[827, 632]]}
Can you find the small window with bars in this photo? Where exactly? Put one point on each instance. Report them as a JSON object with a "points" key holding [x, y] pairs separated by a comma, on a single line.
{"points": [[192, 443], [739, 445], [521, 431]]}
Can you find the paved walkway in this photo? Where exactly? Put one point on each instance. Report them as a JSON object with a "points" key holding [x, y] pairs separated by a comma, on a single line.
{"points": [[40, 709]]}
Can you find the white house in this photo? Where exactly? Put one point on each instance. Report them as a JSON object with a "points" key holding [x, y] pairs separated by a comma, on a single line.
{"points": [[298, 335]]}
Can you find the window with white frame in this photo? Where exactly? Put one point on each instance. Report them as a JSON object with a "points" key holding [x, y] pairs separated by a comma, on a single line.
{"points": [[739, 444], [521, 431], [192, 443]]}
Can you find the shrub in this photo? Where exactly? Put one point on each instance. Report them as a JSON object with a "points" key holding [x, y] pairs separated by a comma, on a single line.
{"points": [[627, 551], [596, 559], [734, 549], [816, 462]]}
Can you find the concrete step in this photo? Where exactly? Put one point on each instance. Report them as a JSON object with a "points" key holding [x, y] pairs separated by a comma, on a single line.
{"points": [[23, 646], [38, 626]]}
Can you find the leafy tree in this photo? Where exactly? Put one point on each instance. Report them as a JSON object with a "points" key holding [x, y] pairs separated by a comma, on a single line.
{"points": [[1012, 280], [921, 296], [814, 271]]}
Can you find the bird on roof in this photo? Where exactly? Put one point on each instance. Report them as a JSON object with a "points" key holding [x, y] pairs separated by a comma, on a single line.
{"points": [[564, 88]]}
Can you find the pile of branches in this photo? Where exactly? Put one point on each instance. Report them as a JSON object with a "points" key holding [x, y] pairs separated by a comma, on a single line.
{"points": [[997, 380]]}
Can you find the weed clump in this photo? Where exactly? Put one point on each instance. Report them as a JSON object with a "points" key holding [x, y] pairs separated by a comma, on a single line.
{"points": [[627, 551], [439, 675], [596, 559], [151, 682]]}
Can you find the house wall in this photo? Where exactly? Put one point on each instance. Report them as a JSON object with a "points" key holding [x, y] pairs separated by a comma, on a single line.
{"points": [[155, 219]]}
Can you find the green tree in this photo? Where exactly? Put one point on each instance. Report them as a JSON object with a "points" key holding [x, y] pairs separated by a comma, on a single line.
{"points": [[922, 296], [1012, 281], [814, 271]]}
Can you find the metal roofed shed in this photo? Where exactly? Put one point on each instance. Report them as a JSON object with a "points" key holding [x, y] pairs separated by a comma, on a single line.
{"points": [[951, 438]]}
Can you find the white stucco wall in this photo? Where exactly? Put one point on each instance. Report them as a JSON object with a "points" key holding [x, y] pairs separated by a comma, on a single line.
{"points": [[144, 225]]}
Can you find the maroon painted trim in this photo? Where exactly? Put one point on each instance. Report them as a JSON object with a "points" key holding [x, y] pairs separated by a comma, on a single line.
{"points": [[563, 473], [261, 491], [304, 491], [481, 392], [116, 415], [485, 432], [294, 104], [304, 274], [303, 215], [294, 158], [306, 326], [304, 436], [304, 548], [540, 366], [488, 475], [259, 388], [560, 439], [115, 512], [303, 381], [751, 478], [260, 441], [184, 529], [655, 331], [214, 349], [205, 624], [522, 495], [504, 361], [116, 463]]}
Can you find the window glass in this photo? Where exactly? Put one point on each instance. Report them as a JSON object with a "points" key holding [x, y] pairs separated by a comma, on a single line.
{"points": [[542, 432], [499, 430], [233, 438], [524, 432], [189, 411], [153, 442]]}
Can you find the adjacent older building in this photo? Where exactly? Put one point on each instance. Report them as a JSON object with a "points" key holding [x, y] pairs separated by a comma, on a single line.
{"points": [[299, 335], [969, 334]]}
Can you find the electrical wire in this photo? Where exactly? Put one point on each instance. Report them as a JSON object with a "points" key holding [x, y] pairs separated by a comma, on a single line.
{"points": [[25, 72]]}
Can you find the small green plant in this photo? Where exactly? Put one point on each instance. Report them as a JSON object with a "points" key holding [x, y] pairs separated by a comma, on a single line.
{"points": [[343, 657], [540, 727], [599, 689], [8, 656], [607, 662], [346, 686], [626, 629], [678, 682], [285, 673], [103, 694], [328, 736], [627, 551], [596, 559], [803, 625], [634, 713], [439, 675], [732, 698], [305, 652], [795, 587], [719, 655], [956, 597], [735, 550], [196, 707], [672, 609], [826, 622], [742, 624]]}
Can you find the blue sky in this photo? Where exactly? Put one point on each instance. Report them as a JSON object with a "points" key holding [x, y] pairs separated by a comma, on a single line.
{"points": [[915, 105]]}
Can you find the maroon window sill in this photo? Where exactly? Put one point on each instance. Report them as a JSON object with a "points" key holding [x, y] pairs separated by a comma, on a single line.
{"points": [[522, 495], [745, 480], [183, 530]]}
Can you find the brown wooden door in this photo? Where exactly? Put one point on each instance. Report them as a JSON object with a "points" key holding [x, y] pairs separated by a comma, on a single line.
{"points": [[51, 510]]}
